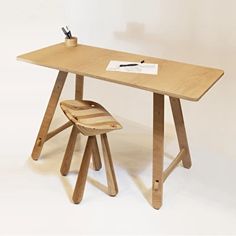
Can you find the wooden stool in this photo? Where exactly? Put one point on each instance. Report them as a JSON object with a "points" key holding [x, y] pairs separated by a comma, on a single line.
{"points": [[90, 119]]}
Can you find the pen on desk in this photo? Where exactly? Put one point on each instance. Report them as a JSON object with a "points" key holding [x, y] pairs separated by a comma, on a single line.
{"points": [[132, 64]]}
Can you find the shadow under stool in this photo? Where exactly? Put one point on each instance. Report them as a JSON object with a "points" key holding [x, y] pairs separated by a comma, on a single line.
{"points": [[90, 119]]}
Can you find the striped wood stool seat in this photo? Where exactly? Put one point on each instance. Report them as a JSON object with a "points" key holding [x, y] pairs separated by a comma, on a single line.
{"points": [[90, 119]]}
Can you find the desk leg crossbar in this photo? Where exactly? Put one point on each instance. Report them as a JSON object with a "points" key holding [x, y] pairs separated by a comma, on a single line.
{"points": [[160, 175]]}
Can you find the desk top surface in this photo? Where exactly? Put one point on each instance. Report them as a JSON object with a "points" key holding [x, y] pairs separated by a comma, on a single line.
{"points": [[174, 79]]}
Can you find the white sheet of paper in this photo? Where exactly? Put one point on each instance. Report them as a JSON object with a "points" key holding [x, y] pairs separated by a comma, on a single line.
{"points": [[141, 68]]}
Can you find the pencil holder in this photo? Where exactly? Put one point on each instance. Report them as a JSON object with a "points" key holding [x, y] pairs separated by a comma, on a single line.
{"points": [[72, 42]]}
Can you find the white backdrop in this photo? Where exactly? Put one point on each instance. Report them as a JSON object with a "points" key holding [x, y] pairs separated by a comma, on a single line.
{"points": [[197, 31]]}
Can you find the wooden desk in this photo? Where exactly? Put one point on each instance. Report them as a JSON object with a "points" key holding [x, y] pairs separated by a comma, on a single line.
{"points": [[176, 80]]}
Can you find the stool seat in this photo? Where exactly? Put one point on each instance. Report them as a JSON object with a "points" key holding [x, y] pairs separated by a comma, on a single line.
{"points": [[90, 117]]}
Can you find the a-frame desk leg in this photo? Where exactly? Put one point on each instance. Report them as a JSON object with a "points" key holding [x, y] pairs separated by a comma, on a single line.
{"points": [[158, 150], [180, 130], [160, 175], [79, 87], [47, 119]]}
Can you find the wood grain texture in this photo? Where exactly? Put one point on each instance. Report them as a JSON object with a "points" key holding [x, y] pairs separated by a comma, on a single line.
{"points": [[158, 150], [47, 119], [79, 92], [173, 164], [180, 131], [90, 117], [79, 87], [110, 173], [72, 42], [83, 172], [69, 151], [97, 164], [58, 130], [82, 176], [174, 79]]}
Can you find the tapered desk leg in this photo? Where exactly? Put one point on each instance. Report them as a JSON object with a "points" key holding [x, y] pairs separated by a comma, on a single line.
{"points": [[47, 119], [158, 150], [79, 87], [180, 130]]}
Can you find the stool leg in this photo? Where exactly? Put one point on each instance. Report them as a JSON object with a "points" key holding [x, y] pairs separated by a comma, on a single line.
{"points": [[82, 176], [111, 179], [97, 164], [69, 152]]}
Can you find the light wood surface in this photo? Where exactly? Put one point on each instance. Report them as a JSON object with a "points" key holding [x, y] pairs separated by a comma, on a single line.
{"points": [[90, 117], [47, 119], [180, 131], [79, 87], [110, 173], [72, 42], [158, 150], [43, 134], [58, 130], [97, 164], [69, 151], [173, 164], [174, 79], [83, 172], [79, 92]]}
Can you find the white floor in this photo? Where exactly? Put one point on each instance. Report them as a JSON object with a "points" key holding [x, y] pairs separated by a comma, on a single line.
{"points": [[36, 200]]}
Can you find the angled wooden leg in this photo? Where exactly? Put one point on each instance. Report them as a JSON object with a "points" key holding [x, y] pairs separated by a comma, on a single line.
{"points": [[82, 176], [180, 130], [97, 164], [47, 119], [111, 178], [69, 151], [79, 91], [158, 150]]}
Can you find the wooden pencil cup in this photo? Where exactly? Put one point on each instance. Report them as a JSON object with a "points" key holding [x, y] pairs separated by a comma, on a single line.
{"points": [[72, 42]]}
